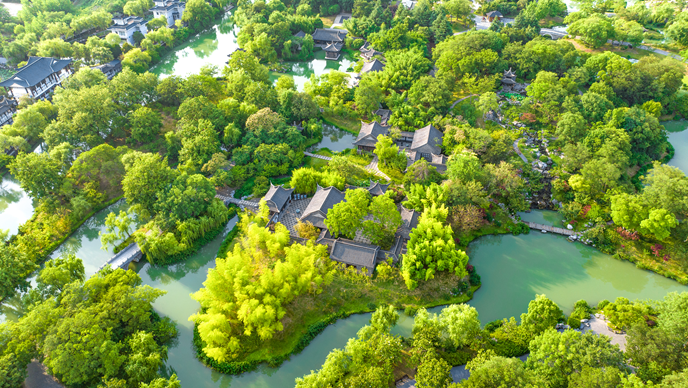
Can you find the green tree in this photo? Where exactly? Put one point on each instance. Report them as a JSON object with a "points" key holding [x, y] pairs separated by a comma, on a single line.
{"points": [[188, 197], [595, 30], [40, 175], [117, 227], [461, 324], [488, 102], [198, 14], [346, 218], [146, 176], [495, 371], [199, 146], [678, 30], [659, 223], [368, 96], [432, 249], [556, 356], [145, 124], [458, 8], [433, 372], [386, 219], [146, 359], [571, 127], [386, 151], [542, 314], [138, 60], [622, 314]]}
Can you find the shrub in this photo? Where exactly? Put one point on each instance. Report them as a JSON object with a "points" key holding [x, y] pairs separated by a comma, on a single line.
{"points": [[543, 158], [474, 278], [469, 293], [410, 311], [582, 305], [371, 306], [458, 357], [602, 304], [574, 322], [260, 187], [494, 325]]}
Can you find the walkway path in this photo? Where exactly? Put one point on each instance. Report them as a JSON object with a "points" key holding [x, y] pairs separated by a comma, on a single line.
{"points": [[518, 151], [461, 99], [372, 167], [121, 260], [323, 157], [551, 229], [239, 202]]}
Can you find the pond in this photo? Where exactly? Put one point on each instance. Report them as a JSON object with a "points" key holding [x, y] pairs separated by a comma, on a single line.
{"points": [[335, 139], [16, 207], [513, 269], [678, 137], [213, 46]]}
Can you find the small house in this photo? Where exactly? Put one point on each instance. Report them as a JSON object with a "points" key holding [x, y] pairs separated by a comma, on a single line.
{"points": [[427, 141], [372, 66], [324, 36], [277, 198], [323, 200], [377, 189], [355, 254], [171, 9], [494, 15], [126, 27], [8, 107], [111, 68], [333, 50], [367, 136], [38, 78]]}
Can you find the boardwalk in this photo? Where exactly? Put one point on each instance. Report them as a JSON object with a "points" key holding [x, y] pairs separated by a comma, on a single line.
{"points": [[239, 202], [323, 157], [124, 257], [551, 229]]}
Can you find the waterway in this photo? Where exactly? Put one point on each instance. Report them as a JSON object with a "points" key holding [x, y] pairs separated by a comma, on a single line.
{"points": [[335, 139], [513, 269], [16, 207], [678, 137], [213, 46]]}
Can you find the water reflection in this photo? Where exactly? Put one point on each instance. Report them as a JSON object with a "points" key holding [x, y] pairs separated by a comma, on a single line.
{"points": [[678, 137], [16, 207], [334, 139]]}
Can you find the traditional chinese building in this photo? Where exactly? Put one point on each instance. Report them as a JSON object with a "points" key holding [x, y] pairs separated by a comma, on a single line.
{"points": [[127, 26], [38, 78], [172, 10], [8, 107], [111, 68]]}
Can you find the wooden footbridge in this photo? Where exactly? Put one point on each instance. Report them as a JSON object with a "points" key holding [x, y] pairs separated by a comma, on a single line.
{"points": [[550, 229], [121, 260]]}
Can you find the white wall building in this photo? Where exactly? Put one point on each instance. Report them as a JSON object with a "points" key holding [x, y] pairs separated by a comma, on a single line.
{"points": [[171, 9], [38, 77], [126, 26]]}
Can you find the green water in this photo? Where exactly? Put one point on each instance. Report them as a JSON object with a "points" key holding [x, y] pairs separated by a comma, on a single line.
{"points": [[544, 217], [301, 71], [335, 139], [513, 269], [16, 207], [678, 137], [210, 47]]}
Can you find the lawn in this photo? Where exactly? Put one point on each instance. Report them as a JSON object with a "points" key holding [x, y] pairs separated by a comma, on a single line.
{"points": [[328, 21], [316, 163], [634, 53], [349, 124]]}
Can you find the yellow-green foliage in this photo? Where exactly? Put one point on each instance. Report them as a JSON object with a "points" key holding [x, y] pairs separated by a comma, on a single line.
{"points": [[245, 294]]}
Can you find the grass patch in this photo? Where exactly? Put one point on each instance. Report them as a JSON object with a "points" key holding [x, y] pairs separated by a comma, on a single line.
{"points": [[395, 175], [358, 159], [349, 124], [328, 21], [316, 163]]}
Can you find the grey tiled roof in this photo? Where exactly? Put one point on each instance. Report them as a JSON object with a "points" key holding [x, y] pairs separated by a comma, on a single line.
{"points": [[322, 201], [374, 65], [409, 219], [300, 34], [168, 5], [377, 189], [353, 253], [329, 35], [493, 14], [7, 104], [334, 47], [427, 140], [276, 197], [36, 70], [369, 133], [110, 65]]}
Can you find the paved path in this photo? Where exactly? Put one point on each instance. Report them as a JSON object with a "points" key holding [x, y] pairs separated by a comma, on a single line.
{"points": [[121, 260], [240, 202], [323, 157], [599, 326], [518, 151], [551, 229], [372, 167], [461, 99]]}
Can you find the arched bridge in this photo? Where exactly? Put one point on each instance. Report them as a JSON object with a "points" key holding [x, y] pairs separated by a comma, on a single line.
{"points": [[554, 34]]}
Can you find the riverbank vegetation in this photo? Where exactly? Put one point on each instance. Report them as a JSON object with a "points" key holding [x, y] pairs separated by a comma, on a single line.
{"points": [[87, 332], [555, 358]]}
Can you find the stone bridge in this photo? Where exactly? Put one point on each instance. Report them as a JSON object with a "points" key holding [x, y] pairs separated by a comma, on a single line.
{"points": [[554, 34], [550, 229], [323, 157], [239, 202], [121, 260]]}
